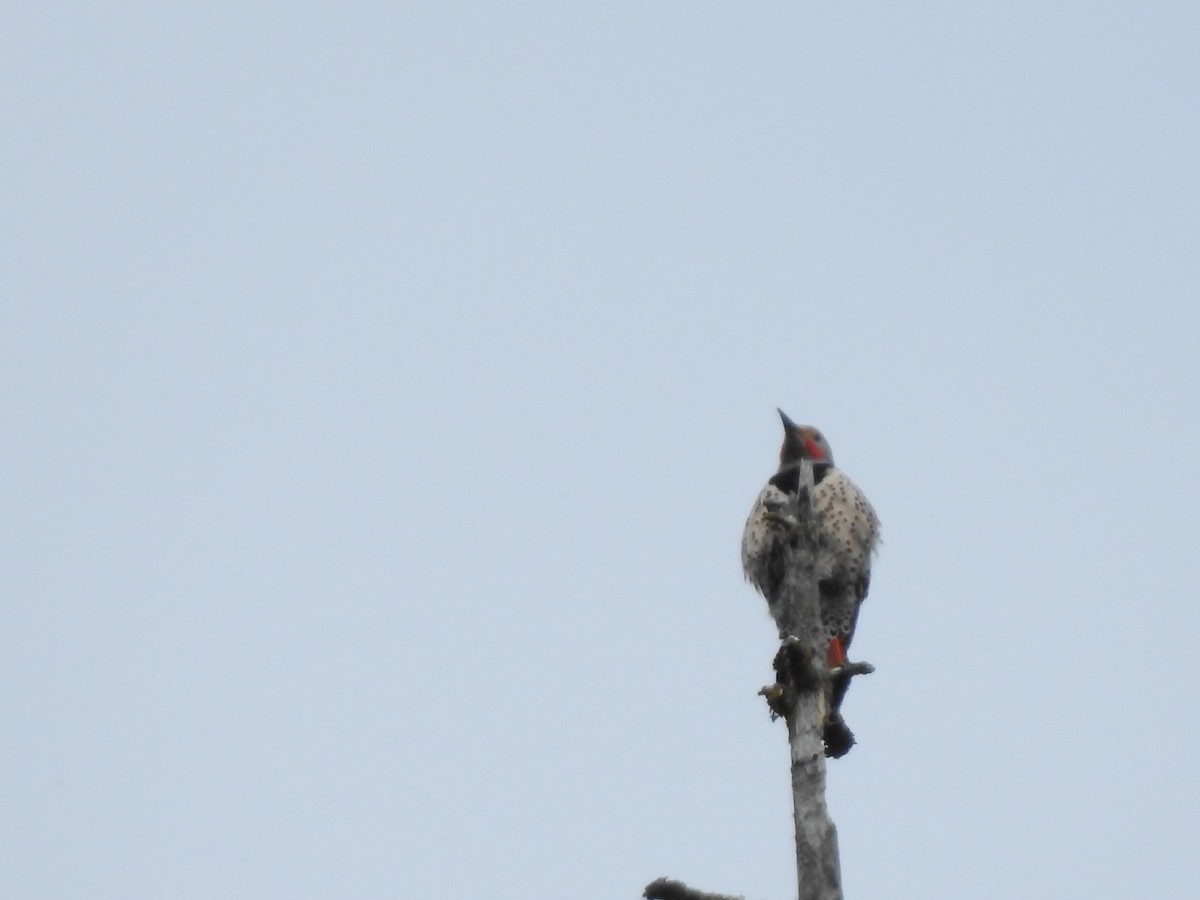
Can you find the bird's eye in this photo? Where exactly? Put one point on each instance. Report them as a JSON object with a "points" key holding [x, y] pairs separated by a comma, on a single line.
{"points": [[817, 436]]}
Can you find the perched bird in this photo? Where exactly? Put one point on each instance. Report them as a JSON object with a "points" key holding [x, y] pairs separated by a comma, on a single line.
{"points": [[847, 532]]}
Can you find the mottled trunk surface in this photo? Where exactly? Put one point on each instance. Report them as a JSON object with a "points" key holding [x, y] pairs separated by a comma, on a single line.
{"points": [[817, 864]]}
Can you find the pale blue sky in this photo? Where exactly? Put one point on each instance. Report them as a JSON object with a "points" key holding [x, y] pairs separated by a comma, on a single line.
{"points": [[385, 387]]}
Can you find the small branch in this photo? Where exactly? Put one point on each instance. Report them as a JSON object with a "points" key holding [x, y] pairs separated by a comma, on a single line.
{"points": [[666, 889], [777, 699], [852, 668]]}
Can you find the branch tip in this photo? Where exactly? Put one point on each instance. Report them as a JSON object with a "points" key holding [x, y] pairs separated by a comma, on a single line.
{"points": [[669, 889]]}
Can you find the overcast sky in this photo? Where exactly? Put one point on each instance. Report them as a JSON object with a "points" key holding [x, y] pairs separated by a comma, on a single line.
{"points": [[385, 387]]}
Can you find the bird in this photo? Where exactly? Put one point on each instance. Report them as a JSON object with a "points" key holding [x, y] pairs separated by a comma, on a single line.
{"points": [[847, 536]]}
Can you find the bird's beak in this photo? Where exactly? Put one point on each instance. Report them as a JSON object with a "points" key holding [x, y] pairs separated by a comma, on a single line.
{"points": [[787, 423]]}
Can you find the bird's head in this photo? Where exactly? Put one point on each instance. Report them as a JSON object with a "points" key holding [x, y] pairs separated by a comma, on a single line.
{"points": [[803, 442]]}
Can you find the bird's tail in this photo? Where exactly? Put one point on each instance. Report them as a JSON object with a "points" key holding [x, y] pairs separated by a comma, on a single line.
{"points": [[838, 736]]}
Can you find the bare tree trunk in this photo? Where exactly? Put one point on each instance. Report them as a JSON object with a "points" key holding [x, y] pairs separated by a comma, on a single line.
{"points": [[801, 695], [817, 866]]}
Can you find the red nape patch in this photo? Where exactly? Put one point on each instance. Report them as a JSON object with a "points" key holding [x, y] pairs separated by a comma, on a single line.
{"points": [[835, 655], [813, 450]]}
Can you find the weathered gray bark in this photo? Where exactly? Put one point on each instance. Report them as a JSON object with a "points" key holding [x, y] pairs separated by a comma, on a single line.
{"points": [[804, 679]]}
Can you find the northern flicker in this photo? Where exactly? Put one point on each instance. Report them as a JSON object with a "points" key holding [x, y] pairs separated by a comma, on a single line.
{"points": [[847, 531]]}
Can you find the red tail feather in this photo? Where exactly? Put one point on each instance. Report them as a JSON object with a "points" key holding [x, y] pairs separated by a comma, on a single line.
{"points": [[835, 655]]}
